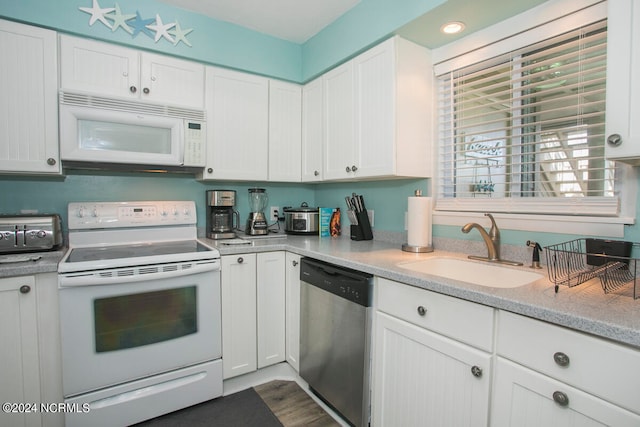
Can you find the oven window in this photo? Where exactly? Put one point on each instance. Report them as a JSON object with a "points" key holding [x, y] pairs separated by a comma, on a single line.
{"points": [[129, 321]]}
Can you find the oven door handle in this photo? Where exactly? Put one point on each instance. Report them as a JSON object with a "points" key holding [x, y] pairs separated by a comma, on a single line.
{"points": [[134, 274]]}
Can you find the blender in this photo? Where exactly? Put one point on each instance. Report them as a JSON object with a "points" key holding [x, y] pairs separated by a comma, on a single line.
{"points": [[257, 222]]}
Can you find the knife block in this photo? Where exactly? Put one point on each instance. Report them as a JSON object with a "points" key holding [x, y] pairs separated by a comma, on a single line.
{"points": [[362, 230]]}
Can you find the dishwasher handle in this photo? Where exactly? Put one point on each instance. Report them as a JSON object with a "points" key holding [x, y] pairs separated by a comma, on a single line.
{"points": [[349, 284]]}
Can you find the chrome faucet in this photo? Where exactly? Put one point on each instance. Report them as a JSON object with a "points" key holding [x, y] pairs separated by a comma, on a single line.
{"points": [[491, 240]]}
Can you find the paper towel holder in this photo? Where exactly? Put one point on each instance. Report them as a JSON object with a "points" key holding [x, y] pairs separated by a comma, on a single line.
{"points": [[417, 249]]}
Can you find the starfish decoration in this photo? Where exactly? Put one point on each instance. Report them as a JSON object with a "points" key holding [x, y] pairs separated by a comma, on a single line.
{"points": [[120, 20], [97, 14], [161, 29], [180, 35], [141, 25]]}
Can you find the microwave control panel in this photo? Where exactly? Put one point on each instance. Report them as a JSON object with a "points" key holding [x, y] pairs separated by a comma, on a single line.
{"points": [[194, 143]]}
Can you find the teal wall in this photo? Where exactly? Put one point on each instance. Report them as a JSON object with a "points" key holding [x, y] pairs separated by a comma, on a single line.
{"points": [[223, 44]]}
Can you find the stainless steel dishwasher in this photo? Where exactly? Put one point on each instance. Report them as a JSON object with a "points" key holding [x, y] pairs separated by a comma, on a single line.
{"points": [[335, 336]]}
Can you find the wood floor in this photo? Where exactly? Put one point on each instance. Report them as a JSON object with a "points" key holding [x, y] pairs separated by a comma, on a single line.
{"points": [[293, 406]]}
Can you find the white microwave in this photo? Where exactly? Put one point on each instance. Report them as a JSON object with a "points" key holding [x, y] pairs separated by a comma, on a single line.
{"points": [[105, 130]]}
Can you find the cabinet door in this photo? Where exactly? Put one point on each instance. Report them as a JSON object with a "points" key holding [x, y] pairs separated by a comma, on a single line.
{"points": [[271, 308], [623, 87], [292, 311], [375, 111], [101, 68], [524, 397], [238, 282], [424, 379], [29, 101], [312, 131], [338, 159], [285, 131], [172, 81], [237, 117], [19, 369]]}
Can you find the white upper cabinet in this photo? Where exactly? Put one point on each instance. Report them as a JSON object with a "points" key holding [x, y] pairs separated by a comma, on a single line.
{"points": [[237, 106], [104, 69], [312, 131], [623, 87], [378, 114], [285, 131], [29, 101]]}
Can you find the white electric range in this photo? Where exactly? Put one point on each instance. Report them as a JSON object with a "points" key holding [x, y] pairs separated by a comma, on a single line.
{"points": [[140, 312]]}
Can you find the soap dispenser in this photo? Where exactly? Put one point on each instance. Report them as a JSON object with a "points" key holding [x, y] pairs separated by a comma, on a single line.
{"points": [[535, 261]]}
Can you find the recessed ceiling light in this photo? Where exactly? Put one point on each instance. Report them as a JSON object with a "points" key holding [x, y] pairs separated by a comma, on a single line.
{"points": [[452, 27]]}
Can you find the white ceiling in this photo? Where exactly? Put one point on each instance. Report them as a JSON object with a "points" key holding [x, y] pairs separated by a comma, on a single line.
{"points": [[293, 20]]}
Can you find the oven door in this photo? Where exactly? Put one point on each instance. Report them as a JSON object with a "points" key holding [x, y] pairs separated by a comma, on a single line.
{"points": [[139, 323]]}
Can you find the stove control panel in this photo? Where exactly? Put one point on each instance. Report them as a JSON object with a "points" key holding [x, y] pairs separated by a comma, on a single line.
{"points": [[94, 215]]}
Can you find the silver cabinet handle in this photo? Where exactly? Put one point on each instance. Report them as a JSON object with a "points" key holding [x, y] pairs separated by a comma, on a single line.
{"points": [[354, 168], [614, 139], [25, 289], [561, 359], [133, 89], [51, 161], [421, 310], [209, 170], [561, 398], [348, 169], [240, 260], [316, 173], [146, 90], [295, 263], [476, 371]]}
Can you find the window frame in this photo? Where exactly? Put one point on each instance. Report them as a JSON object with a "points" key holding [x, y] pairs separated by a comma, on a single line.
{"points": [[547, 20]]}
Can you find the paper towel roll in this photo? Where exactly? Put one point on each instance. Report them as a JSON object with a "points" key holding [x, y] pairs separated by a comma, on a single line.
{"points": [[419, 221]]}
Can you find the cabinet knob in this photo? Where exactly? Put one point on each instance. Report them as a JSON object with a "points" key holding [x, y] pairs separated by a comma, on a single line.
{"points": [[316, 173], [421, 310], [51, 161], [561, 359], [240, 260], [354, 168], [561, 398], [295, 263], [476, 371], [25, 289], [133, 89], [348, 169], [614, 139], [209, 170], [146, 90]]}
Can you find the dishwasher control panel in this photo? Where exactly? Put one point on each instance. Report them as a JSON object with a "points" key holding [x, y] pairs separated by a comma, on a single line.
{"points": [[349, 284]]}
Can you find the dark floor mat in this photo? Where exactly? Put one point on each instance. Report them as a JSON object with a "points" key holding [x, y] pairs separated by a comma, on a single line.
{"points": [[242, 409]]}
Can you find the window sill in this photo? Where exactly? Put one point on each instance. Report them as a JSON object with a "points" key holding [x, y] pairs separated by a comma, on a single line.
{"points": [[562, 224]]}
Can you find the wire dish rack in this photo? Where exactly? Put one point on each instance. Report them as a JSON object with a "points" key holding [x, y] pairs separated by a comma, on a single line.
{"points": [[578, 261]]}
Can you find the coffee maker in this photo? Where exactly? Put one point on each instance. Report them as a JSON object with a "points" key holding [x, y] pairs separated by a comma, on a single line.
{"points": [[222, 218], [257, 222]]}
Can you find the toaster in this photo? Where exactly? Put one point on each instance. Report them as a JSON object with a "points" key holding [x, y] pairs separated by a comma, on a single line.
{"points": [[29, 233]]}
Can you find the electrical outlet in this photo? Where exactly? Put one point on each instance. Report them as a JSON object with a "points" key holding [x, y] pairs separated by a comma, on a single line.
{"points": [[274, 211]]}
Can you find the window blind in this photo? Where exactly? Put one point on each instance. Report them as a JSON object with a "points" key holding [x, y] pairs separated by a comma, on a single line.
{"points": [[524, 132]]}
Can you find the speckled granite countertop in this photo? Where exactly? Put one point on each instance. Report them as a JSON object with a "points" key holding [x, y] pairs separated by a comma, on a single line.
{"points": [[30, 263], [584, 308]]}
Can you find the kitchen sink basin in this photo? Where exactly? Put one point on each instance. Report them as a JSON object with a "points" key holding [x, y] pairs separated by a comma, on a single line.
{"points": [[477, 273]]}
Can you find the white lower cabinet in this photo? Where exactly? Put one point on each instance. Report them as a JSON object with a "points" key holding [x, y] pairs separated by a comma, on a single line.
{"points": [[549, 375], [427, 378], [292, 310], [270, 274], [253, 325], [30, 351]]}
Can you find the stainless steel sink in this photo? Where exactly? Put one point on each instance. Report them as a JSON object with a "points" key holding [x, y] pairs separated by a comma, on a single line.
{"points": [[477, 273]]}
